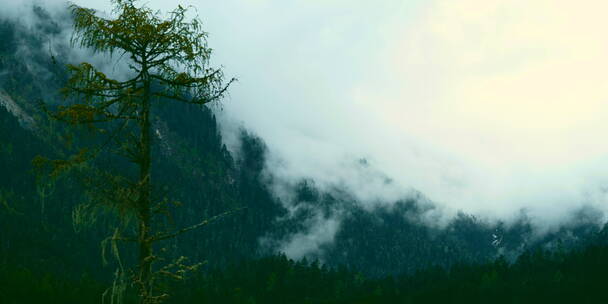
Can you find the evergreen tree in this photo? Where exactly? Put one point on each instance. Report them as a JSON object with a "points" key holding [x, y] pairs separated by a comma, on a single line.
{"points": [[169, 60]]}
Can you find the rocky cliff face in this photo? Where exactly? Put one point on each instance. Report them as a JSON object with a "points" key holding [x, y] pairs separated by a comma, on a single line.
{"points": [[12, 107]]}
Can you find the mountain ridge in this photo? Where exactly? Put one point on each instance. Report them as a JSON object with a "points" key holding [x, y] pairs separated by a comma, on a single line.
{"points": [[194, 166]]}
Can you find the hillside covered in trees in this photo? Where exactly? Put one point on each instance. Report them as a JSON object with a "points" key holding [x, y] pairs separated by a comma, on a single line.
{"points": [[52, 246]]}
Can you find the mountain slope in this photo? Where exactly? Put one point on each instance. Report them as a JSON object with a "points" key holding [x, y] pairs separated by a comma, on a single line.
{"points": [[193, 166]]}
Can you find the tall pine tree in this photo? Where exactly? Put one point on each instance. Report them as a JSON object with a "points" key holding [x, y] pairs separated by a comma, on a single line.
{"points": [[169, 60]]}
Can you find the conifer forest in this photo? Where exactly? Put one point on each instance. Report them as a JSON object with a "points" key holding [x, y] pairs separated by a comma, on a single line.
{"points": [[141, 163]]}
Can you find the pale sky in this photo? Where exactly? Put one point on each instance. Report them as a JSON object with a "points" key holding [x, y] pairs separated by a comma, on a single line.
{"points": [[485, 106]]}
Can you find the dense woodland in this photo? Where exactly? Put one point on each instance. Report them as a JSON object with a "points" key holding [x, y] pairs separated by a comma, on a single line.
{"points": [[52, 249], [536, 277]]}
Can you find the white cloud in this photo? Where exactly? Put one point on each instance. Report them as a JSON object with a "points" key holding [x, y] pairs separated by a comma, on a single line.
{"points": [[516, 91], [321, 232]]}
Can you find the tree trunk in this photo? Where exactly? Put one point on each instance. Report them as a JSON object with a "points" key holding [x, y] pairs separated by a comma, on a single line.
{"points": [[145, 216]]}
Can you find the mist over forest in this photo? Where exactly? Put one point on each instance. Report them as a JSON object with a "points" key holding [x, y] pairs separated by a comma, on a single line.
{"points": [[405, 158]]}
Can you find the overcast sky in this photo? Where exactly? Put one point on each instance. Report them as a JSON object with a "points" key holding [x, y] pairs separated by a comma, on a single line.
{"points": [[486, 106]]}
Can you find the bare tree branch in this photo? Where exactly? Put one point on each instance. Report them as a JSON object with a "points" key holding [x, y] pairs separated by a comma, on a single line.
{"points": [[201, 224]]}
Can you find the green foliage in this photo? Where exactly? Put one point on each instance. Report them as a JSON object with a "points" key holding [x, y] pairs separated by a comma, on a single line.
{"points": [[168, 59], [537, 277]]}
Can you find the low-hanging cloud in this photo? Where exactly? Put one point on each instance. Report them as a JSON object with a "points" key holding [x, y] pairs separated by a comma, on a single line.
{"points": [[320, 231], [489, 107], [49, 22]]}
